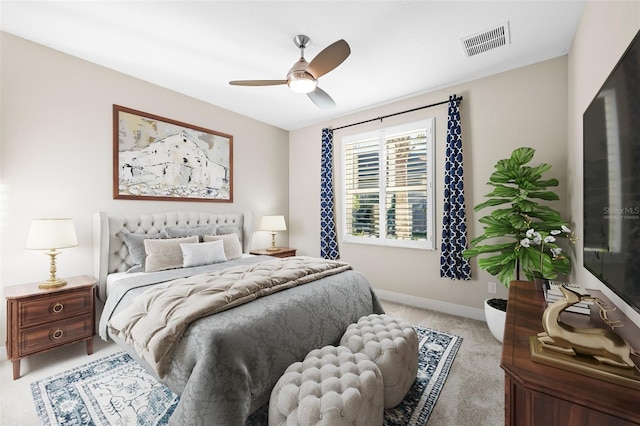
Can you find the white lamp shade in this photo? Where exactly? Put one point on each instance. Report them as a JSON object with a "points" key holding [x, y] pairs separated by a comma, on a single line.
{"points": [[48, 234], [273, 223]]}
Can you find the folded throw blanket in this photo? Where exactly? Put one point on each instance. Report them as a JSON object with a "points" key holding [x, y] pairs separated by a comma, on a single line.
{"points": [[157, 319]]}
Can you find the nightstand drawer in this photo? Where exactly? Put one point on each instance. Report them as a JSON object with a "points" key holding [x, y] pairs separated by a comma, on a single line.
{"points": [[49, 336], [47, 309]]}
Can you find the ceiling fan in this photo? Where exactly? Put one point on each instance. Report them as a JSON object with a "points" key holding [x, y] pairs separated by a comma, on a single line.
{"points": [[303, 76]]}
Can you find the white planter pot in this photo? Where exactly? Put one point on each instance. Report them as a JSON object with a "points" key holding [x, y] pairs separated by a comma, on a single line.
{"points": [[495, 320]]}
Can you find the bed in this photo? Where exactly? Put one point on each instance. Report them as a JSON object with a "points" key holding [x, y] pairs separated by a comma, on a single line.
{"points": [[223, 365]]}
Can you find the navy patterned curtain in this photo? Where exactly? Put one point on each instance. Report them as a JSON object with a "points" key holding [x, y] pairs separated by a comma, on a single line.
{"points": [[328, 235], [454, 227]]}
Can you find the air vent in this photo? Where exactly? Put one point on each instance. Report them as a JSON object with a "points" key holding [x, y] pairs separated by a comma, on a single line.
{"points": [[486, 40]]}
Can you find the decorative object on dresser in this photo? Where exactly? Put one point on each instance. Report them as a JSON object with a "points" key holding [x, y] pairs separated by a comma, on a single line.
{"points": [[156, 158], [273, 224], [51, 235], [540, 394], [280, 252], [552, 294], [42, 319], [562, 344]]}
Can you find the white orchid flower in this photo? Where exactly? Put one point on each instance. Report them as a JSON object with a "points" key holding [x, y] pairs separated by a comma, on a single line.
{"points": [[537, 238], [566, 230], [525, 242], [555, 232], [549, 239], [530, 233], [556, 251]]}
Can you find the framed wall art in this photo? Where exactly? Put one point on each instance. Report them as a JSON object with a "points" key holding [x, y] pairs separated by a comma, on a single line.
{"points": [[156, 158]]}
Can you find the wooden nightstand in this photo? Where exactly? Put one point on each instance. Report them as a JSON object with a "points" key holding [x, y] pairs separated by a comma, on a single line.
{"points": [[39, 320], [281, 252]]}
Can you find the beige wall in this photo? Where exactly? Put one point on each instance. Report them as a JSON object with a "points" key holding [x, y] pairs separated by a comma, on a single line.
{"points": [[604, 32], [56, 154], [524, 107]]}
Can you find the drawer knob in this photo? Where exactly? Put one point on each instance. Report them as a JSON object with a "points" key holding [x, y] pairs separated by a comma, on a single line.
{"points": [[57, 334], [58, 307]]}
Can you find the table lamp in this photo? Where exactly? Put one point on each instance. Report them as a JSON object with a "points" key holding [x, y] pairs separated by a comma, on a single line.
{"points": [[51, 235], [273, 224]]}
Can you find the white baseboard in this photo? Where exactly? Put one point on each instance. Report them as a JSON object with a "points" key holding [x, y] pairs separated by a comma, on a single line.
{"points": [[434, 305]]}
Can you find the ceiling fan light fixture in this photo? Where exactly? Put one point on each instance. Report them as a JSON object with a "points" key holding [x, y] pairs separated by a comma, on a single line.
{"points": [[301, 82]]}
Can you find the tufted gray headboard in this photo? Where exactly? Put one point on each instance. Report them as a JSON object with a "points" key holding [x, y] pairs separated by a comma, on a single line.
{"points": [[111, 254]]}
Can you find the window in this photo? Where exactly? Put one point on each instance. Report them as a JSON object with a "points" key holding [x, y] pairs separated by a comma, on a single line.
{"points": [[392, 168]]}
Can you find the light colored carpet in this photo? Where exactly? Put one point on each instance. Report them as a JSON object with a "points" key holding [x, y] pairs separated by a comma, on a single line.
{"points": [[473, 393]]}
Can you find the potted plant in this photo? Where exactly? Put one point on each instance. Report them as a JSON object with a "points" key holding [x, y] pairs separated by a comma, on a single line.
{"points": [[523, 235]]}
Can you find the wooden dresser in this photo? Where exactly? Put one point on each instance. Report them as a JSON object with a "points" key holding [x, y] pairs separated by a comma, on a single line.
{"points": [[537, 394], [39, 320]]}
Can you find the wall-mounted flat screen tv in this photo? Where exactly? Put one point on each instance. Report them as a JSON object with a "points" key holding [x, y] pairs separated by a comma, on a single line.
{"points": [[611, 126]]}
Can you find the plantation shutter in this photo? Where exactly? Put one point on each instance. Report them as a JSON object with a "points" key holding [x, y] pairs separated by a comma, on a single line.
{"points": [[406, 186], [362, 175]]}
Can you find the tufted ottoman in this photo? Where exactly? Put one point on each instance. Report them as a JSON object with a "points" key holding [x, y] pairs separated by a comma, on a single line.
{"points": [[331, 387], [392, 345]]}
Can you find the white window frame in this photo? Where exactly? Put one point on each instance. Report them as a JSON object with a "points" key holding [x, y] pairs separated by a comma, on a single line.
{"points": [[428, 125]]}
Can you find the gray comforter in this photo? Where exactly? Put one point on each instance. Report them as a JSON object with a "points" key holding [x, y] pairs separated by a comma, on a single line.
{"points": [[226, 364]]}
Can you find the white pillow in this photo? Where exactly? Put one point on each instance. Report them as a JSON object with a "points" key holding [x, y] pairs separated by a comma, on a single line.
{"points": [[165, 254], [202, 253], [232, 247]]}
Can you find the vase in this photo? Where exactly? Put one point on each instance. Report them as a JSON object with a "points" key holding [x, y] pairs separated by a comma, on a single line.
{"points": [[539, 283], [495, 317]]}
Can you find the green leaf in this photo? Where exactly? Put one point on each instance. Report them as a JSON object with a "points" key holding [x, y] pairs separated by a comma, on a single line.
{"points": [[519, 222], [547, 183], [503, 166], [522, 155], [500, 177], [540, 170], [527, 206], [492, 248], [544, 195], [502, 213], [491, 202], [503, 191]]}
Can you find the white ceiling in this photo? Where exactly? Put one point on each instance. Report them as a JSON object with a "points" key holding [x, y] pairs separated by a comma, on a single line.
{"points": [[398, 48]]}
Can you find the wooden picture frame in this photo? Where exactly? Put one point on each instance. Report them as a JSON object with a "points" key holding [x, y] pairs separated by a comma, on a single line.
{"points": [[156, 158]]}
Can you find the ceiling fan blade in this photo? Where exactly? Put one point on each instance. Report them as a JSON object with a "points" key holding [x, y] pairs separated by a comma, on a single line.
{"points": [[329, 58], [321, 99], [257, 82]]}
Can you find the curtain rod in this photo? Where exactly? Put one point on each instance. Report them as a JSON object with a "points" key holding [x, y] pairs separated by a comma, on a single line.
{"points": [[394, 114]]}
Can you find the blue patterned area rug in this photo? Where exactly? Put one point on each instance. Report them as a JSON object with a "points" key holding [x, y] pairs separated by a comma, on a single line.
{"points": [[115, 390]]}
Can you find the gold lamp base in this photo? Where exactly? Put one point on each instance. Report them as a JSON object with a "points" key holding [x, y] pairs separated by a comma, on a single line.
{"points": [[55, 283], [273, 242]]}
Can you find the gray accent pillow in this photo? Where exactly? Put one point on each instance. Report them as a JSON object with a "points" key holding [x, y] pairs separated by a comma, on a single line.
{"points": [[165, 254], [226, 229], [232, 247], [189, 231], [135, 245]]}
